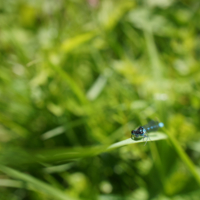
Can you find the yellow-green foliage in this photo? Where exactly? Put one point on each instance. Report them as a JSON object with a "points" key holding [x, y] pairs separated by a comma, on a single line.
{"points": [[76, 77]]}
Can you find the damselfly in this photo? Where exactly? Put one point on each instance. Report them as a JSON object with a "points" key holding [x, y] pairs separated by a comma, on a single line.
{"points": [[143, 131]]}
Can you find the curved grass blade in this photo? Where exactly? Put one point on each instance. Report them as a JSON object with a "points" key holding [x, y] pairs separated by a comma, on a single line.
{"points": [[36, 184], [154, 136], [155, 62], [184, 157], [77, 153]]}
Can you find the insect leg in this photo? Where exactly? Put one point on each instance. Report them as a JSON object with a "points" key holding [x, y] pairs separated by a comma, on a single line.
{"points": [[149, 137], [146, 140]]}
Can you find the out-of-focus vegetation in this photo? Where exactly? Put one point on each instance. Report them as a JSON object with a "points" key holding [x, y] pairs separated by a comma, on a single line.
{"points": [[77, 76]]}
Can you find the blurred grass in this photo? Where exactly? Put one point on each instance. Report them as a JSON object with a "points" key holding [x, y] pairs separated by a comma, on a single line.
{"points": [[78, 76], [34, 183]]}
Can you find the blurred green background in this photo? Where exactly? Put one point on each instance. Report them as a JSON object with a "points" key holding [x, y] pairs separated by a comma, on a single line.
{"points": [[78, 75]]}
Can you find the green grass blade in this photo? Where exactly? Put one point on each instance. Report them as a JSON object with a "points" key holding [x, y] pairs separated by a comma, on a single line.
{"points": [[156, 69], [72, 84], [76, 153], [153, 136], [184, 157], [153, 55], [10, 183], [117, 14], [70, 44], [52, 133], [35, 183]]}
